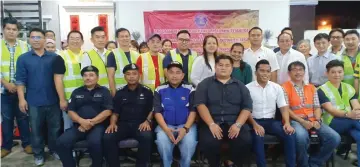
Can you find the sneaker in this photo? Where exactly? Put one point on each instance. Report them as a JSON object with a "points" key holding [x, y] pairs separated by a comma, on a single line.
{"points": [[28, 149], [4, 153], [55, 155], [39, 161]]}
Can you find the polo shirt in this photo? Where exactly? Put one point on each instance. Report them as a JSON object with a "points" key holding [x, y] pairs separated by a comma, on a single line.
{"points": [[185, 59]]}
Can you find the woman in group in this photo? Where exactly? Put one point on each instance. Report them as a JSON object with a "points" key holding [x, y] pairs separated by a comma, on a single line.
{"points": [[134, 46], [304, 47], [166, 46], [143, 48], [204, 66], [241, 70], [111, 45]]}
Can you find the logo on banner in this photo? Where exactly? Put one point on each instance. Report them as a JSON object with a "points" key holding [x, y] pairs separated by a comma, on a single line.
{"points": [[201, 20]]}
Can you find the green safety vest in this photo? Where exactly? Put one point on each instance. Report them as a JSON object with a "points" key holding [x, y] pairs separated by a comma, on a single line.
{"points": [[348, 71], [176, 57], [72, 77], [101, 65], [121, 62], [20, 49]]}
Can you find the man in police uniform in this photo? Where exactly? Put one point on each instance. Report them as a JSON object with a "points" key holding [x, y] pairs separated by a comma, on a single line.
{"points": [[131, 119], [89, 106]]}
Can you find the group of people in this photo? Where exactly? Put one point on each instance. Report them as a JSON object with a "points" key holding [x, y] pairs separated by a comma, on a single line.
{"points": [[106, 95]]}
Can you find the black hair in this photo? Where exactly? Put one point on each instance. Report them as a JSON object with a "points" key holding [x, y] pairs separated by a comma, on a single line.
{"points": [[204, 51], [166, 40], [296, 63], [109, 42], [321, 36], [337, 30], [37, 30], [10, 20], [223, 57], [255, 28], [352, 32], [75, 31], [143, 44], [283, 33], [183, 32], [334, 63], [51, 31], [263, 61], [121, 30], [242, 63], [96, 29], [286, 28], [135, 44]]}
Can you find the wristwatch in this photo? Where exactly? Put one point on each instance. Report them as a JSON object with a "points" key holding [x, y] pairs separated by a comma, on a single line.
{"points": [[239, 125], [149, 120], [186, 129]]}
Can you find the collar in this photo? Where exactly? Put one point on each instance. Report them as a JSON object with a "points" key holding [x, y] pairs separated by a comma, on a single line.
{"points": [[346, 54], [178, 52], [97, 51], [180, 85], [71, 52], [257, 83], [287, 53], [7, 44], [97, 86], [231, 80], [326, 55], [135, 90], [260, 49], [34, 54], [297, 85]]}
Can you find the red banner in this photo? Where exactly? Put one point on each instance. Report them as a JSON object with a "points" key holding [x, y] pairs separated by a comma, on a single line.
{"points": [[74, 22], [228, 26], [103, 22]]}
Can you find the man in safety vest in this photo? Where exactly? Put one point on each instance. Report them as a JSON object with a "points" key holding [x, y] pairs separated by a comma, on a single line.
{"points": [[182, 54], [305, 113], [122, 56], [351, 58], [338, 99], [150, 64], [11, 49], [98, 55], [67, 72]]}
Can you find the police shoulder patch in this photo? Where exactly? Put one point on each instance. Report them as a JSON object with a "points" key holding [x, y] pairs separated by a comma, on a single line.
{"points": [[146, 87], [121, 88]]}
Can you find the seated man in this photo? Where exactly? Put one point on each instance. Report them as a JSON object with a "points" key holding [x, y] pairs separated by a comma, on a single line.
{"points": [[224, 104], [89, 106], [342, 109], [131, 118], [305, 113], [266, 95], [175, 115]]}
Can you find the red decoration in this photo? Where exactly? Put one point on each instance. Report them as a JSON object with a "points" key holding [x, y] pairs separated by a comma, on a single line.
{"points": [[74, 22], [103, 22]]}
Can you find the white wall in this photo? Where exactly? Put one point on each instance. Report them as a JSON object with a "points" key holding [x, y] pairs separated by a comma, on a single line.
{"points": [[273, 15], [50, 8]]}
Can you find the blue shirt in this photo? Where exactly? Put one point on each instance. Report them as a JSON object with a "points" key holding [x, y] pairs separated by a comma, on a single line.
{"points": [[174, 104], [185, 60], [36, 74]]}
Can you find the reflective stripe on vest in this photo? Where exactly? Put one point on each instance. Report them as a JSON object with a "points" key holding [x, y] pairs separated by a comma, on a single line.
{"points": [[5, 57], [72, 77], [98, 62], [148, 74], [176, 57], [121, 62], [348, 71]]}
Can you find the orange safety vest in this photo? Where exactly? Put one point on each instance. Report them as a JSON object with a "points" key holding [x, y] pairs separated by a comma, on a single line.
{"points": [[302, 110]]}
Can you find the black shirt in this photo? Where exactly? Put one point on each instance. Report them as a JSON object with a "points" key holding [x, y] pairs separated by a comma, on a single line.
{"points": [[133, 105], [111, 61], [59, 65]]}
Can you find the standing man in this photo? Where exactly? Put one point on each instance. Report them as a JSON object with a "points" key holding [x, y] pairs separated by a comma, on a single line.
{"points": [[182, 54], [336, 39], [289, 31], [305, 113], [150, 63], [266, 96], [351, 58], [122, 57], [258, 52], [11, 50], [34, 72], [89, 107], [132, 117], [224, 104], [98, 56]]}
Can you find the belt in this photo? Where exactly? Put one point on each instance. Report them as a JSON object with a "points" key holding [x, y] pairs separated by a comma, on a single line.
{"points": [[264, 119]]}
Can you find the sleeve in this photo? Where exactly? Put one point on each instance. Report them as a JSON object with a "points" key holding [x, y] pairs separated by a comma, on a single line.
{"points": [[72, 102], [85, 61], [59, 65], [309, 66], [201, 94], [247, 103], [111, 62], [191, 107], [322, 97], [286, 96], [167, 60], [117, 103], [108, 101], [150, 101], [197, 73], [139, 64], [303, 60], [248, 74], [273, 61], [157, 102], [21, 72], [280, 99]]}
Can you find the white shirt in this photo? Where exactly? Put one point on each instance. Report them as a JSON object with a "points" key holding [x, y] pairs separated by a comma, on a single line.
{"points": [[265, 99], [252, 57], [284, 61], [200, 70], [86, 61]]}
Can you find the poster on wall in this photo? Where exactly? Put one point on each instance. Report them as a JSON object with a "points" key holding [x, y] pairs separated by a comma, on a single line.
{"points": [[228, 26], [103, 22], [74, 23]]}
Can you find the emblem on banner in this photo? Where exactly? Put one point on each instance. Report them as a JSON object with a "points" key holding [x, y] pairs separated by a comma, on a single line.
{"points": [[201, 20]]}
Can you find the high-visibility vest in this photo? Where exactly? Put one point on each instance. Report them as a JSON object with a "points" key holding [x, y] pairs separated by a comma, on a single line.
{"points": [[72, 77], [101, 65], [121, 62], [20, 49], [341, 102], [304, 110], [176, 57], [348, 71], [148, 70]]}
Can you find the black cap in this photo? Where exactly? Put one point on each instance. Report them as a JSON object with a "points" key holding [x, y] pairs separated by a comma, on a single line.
{"points": [[153, 36], [131, 66], [175, 64], [90, 69]]}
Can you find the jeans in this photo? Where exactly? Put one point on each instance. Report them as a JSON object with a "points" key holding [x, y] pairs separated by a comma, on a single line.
{"points": [[329, 140], [187, 145], [274, 127], [348, 126], [39, 116], [9, 111], [68, 123]]}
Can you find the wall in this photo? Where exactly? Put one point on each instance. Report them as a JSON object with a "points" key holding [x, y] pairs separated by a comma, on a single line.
{"points": [[50, 8], [302, 17], [273, 15]]}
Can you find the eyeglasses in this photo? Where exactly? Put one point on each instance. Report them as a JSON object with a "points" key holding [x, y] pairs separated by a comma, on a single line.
{"points": [[36, 38]]}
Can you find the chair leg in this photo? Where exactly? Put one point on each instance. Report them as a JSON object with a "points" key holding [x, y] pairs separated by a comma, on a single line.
{"points": [[333, 159]]}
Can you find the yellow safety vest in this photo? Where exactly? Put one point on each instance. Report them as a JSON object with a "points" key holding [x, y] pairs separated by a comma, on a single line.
{"points": [[176, 57], [148, 70], [72, 77], [79, 56], [121, 62], [20, 49], [101, 65]]}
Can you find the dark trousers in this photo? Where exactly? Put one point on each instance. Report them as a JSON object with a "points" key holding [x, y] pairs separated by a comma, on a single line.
{"points": [[128, 130], [274, 127], [68, 139], [40, 116], [9, 111], [240, 147]]}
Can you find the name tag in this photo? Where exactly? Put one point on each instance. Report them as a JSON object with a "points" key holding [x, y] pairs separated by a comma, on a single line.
{"points": [[97, 95], [79, 96]]}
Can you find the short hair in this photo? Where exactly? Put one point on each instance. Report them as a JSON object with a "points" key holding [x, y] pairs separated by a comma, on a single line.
{"points": [[109, 42], [303, 41], [37, 30], [286, 28], [10, 20], [337, 30], [255, 28], [263, 61], [283, 33], [121, 30], [349, 32], [183, 32], [166, 40], [223, 57], [143, 44], [321, 36], [75, 31], [334, 63], [51, 31], [296, 63], [237, 44], [96, 29]]}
